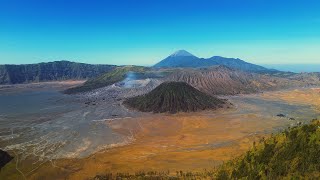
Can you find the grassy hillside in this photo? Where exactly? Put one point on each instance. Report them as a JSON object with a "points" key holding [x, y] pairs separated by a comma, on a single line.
{"points": [[174, 97], [291, 154], [116, 75]]}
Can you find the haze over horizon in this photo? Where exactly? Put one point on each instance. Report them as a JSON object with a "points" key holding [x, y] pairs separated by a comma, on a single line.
{"points": [[127, 32]]}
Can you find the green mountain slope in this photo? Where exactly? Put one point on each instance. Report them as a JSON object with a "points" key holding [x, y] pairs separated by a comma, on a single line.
{"points": [[116, 75], [291, 154]]}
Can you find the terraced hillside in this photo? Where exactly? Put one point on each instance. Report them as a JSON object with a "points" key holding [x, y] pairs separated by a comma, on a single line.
{"points": [[174, 97], [221, 80]]}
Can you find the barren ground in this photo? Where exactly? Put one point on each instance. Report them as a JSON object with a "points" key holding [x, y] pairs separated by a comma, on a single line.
{"points": [[185, 141]]}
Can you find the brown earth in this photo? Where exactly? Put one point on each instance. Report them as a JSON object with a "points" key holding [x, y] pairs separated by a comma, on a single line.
{"points": [[309, 96], [185, 141], [181, 142], [222, 80]]}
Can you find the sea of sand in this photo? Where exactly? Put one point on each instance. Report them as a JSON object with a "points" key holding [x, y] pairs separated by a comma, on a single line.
{"points": [[79, 141]]}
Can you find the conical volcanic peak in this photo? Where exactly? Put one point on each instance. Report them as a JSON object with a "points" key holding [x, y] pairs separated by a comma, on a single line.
{"points": [[181, 53], [174, 97], [179, 58], [4, 158]]}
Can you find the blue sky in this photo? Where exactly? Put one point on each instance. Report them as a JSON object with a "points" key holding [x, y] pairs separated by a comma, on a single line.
{"points": [[144, 32]]}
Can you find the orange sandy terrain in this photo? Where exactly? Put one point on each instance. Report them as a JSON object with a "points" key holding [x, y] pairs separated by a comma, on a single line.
{"points": [[300, 96], [169, 142]]}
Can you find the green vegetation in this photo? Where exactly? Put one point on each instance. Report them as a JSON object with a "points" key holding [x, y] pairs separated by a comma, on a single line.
{"points": [[292, 154], [116, 75], [154, 175], [174, 97]]}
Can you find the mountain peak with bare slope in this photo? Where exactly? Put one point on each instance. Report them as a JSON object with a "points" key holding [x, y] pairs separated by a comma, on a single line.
{"points": [[183, 58], [181, 53]]}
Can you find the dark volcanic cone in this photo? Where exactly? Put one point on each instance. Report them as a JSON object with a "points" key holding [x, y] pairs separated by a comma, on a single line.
{"points": [[174, 97], [4, 158]]}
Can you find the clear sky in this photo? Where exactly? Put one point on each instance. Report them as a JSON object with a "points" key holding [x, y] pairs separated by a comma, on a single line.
{"points": [[146, 31]]}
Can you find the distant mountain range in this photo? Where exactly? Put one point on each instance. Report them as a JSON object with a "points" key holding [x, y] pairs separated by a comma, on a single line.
{"points": [[183, 58], [52, 71], [66, 70]]}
